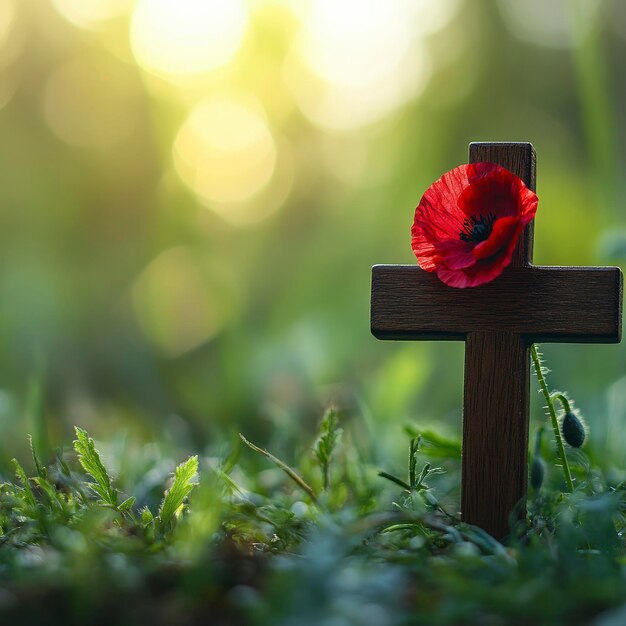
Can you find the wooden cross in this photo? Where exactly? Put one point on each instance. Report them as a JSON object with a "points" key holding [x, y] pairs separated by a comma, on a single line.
{"points": [[498, 322]]}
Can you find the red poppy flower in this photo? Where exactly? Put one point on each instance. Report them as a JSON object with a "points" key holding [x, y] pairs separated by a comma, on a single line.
{"points": [[468, 222]]}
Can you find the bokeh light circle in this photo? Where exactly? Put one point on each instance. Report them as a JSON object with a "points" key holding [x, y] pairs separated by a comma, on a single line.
{"points": [[89, 102], [178, 303], [352, 43], [8, 14], [87, 13], [183, 37], [11, 33], [355, 62], [225, 151]]}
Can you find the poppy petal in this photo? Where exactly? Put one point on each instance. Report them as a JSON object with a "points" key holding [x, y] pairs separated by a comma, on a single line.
{"points": [[483, 271], [494, 194], [528, 204], [448, 253], [438, 213], [468, 222], [503, 230], [455, 257]]}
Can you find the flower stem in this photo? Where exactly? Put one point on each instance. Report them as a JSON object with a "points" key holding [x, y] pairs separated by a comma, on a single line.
{"points": [[563, 400], [553, 419]]}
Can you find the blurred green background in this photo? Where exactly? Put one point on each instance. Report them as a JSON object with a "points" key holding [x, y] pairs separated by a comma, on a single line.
{"points": [[193, 193]]}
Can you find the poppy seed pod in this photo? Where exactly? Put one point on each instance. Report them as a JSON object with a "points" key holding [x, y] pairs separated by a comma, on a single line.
{"points": [[573, 430], [537, 472]]}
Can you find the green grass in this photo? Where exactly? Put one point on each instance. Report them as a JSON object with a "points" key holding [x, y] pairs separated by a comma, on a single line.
{"points": [[330, 539]]}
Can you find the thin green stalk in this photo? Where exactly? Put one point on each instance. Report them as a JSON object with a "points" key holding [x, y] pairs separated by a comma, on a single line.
{"points": [[553, 419], [563, 400], [283, 466]]}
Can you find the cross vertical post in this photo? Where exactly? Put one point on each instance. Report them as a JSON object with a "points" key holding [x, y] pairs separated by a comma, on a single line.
{"points": [[496, 390], [498, 322]]}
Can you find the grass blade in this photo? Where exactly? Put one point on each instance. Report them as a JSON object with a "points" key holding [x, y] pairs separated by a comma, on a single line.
{"points": [[283, 466], [90, 460], [179, 490]]}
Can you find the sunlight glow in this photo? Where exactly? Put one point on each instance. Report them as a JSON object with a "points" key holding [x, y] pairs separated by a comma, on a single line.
{"points": [[11, 36], [355, 61], [354, 43], [182, 37], [87, 13], [225, 151], [7, 19]]}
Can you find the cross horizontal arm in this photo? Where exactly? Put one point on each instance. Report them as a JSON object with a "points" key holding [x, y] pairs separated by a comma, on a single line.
{"points": [[555, 304]]}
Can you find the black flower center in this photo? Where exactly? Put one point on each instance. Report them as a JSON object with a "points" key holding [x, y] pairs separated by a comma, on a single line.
{"points": [[477, 228]]}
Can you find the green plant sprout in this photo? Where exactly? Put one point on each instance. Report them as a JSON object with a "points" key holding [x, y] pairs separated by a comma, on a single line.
{"points": [[286, 551]]}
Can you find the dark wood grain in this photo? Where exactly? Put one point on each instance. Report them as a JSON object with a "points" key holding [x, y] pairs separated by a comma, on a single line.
{"points": [[556, 304], [498, 322], [496, 398], [495, 429]]}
